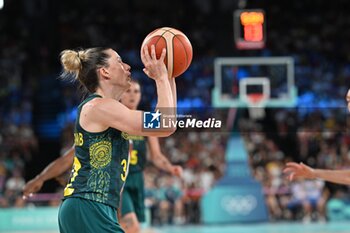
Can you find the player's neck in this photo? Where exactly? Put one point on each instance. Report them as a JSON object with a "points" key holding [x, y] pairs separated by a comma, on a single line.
{"points": [[113, 93]]}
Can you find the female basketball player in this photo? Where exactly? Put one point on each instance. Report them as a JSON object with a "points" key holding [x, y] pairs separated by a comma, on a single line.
{"points": [[132, 207], [101, 135]]}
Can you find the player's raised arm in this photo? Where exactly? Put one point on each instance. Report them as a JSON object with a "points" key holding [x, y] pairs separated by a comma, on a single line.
{"points": [[173, 90], [111, 113], [166, 87], [300, 170], [54, 169], [156, 70]]}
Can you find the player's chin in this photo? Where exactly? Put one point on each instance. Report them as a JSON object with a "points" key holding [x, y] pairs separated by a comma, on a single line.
{"points": [[128, 80]]}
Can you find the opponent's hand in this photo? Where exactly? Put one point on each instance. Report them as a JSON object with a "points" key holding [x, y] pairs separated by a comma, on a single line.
{"points": [[177, 171], [154, 68], [348, 99], [299, 170], [31, 187]]}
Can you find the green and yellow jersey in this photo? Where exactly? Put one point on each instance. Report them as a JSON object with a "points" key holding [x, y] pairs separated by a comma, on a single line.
{"points": [[100, 164], [138, 156], [134, 194]]}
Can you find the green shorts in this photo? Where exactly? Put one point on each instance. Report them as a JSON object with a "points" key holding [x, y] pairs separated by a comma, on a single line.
{"points": [[133, 196], [81, 215]]}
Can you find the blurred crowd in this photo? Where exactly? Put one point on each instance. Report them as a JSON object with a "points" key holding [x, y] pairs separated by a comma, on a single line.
{"points": [[18, 145], [34, 32], [174, 200]]}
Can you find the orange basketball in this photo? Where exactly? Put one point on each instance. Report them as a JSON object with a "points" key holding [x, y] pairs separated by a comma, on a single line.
{"points": [[178, 49]]}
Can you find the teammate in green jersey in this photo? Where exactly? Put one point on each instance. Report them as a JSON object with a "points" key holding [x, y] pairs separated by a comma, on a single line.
{"points": [[132, 204], [103, 124]]}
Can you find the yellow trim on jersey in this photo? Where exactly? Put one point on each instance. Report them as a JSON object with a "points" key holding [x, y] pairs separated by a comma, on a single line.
{"points": [[76, 167]]}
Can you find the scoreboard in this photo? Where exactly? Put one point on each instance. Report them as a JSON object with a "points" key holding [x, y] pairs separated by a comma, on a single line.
{"points": [[249, 29]]}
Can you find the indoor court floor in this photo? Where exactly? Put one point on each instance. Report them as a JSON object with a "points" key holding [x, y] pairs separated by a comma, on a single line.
{"points": [[264, 228], [297, 227]]}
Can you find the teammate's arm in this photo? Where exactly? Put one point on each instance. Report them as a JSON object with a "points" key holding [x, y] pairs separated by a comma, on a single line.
{"points": [[54, 169], [301, 170], [159, 159]]}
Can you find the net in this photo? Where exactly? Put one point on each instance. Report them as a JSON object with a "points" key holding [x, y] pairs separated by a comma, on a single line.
{"points": [[255, 103]]}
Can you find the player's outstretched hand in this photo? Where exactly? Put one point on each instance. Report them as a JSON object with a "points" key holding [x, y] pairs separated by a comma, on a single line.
{"points": [[299, 170], [31, 187], [177, 171], [154, 68]]}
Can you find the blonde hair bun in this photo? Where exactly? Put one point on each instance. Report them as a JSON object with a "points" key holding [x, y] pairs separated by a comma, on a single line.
{"points": [[71, 61]]}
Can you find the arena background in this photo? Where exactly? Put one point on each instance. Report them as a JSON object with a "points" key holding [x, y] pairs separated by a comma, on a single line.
{"points": [[37, 112]]}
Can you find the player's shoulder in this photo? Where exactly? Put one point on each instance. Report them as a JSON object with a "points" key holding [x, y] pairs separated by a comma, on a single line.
{"points": [[99, 104]]}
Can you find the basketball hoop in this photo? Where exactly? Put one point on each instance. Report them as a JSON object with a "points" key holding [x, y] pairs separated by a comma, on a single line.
{"points": [[255, 102]]}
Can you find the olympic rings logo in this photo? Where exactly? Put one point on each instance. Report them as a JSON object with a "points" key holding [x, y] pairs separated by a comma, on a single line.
{"points": [[239, 204]]}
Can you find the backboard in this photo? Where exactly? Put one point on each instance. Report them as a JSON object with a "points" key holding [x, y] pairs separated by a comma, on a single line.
{"points": [[237, 78]]}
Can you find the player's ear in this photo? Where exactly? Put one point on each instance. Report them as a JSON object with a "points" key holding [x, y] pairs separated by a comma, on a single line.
{"points": [[104, 73]]}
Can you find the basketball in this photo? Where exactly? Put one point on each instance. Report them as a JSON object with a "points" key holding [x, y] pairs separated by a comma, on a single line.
{"points": [[178, 49]]}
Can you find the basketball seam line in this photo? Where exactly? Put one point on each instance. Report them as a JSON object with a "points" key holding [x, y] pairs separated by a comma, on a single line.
{"points": [[175, 35], [161, 36], [167, 53]]}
